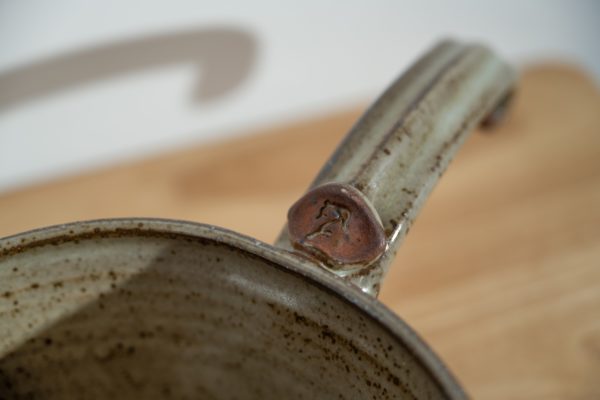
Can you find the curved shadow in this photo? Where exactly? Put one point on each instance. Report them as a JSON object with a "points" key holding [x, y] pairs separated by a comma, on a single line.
{"points": [[225, 56]]}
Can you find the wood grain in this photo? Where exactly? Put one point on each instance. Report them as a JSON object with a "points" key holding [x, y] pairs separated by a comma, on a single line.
{"points": [[501, 272]]}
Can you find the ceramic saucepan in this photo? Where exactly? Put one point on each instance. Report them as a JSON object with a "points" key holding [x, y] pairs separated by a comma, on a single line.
{"points": [[148, 308]]}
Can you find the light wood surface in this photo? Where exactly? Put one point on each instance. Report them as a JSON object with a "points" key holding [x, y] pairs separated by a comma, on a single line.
{"points": [[501, 272]]}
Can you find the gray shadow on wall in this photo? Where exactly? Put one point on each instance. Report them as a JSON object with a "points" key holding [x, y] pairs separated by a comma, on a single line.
{"points": [[225, 57]]}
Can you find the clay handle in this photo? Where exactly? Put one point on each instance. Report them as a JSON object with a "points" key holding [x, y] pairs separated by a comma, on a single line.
{"points": [[364, 200]]}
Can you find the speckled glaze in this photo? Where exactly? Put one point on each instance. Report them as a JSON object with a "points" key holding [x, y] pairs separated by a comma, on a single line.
{"points": [[399, 149], [153, 309], [159, 309]]}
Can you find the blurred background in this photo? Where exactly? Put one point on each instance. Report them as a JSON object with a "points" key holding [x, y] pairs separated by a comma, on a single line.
{"points": [[223, 112], [85, 84]]}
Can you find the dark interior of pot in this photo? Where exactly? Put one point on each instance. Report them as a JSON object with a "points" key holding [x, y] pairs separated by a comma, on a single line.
{"points": [[157, 316]]}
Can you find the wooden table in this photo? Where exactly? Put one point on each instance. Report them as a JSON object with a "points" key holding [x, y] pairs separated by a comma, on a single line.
{"points": [[501, 272]]}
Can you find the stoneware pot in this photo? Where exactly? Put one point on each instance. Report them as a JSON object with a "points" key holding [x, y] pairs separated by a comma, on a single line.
{"points": [[149, 308]]}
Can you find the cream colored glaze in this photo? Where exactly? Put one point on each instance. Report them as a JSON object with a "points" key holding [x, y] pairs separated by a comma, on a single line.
{"points": [[165, 309]]}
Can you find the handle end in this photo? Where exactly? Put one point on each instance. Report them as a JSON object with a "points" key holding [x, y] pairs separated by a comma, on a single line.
{"points": [[336, 224]]}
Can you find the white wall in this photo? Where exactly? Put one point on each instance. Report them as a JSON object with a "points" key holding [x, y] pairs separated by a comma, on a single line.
{"points": [[301, 59]]}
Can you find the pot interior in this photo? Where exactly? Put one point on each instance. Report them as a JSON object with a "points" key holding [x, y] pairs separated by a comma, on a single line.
{"points": [[137, 313]]}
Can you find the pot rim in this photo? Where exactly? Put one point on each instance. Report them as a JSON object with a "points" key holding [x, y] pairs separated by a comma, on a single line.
{"points": [[279, 258]]}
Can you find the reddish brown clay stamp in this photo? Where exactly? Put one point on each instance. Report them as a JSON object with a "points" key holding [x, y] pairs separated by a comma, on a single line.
{"points": [[336, 224]]}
